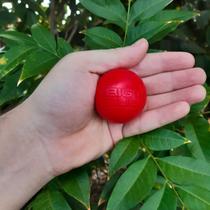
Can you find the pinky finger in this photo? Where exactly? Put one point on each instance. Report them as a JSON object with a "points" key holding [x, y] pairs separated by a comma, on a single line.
{"points": [[156, 118]]}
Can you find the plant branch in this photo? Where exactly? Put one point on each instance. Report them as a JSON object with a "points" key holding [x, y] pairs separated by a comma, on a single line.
{"points": [[205, 113], [52, 18], [169, 183], [127, 22], [74, 30]]}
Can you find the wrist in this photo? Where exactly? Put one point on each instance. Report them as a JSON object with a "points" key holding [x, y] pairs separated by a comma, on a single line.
{"points": [[23, 161]]}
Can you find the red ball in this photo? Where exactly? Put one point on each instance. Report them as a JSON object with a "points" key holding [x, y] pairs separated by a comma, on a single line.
{"points": [[120, 95]]}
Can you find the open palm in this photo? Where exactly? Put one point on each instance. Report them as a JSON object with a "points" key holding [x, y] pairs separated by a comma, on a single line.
{"points": [[62, 107]]}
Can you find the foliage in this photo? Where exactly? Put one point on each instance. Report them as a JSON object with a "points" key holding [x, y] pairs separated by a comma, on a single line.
{"points": [[193, 37], [162, 169]]}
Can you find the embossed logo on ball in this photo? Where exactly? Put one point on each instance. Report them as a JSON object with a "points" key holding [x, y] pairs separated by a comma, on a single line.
{"points": [[126, 97]]}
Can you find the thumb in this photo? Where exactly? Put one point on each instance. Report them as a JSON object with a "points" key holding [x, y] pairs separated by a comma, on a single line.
{"points": [[99, 61]]}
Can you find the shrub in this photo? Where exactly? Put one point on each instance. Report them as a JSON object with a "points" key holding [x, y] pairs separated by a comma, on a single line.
{"points": [[164, 169]]}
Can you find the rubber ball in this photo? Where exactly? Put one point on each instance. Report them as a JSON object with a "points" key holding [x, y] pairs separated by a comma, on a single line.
{"points": [[120, 95]]}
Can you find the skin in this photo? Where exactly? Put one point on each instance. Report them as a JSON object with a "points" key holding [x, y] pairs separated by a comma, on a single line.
{"points": [[56, 129]]}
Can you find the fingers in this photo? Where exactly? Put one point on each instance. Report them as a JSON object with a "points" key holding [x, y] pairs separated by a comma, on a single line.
{"points": [[191, 95], [99, 61], [170, 81], [156, 118], [155, 63]]}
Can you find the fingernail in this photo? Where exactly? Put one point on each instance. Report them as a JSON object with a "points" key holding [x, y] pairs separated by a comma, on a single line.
{"points": [[139, 42]]}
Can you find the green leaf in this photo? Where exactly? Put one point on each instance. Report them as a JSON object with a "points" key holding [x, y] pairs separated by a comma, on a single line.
{"points": [[10, 90], [63, 47], [161, 200], [20, 10], [194, 147], [197, 131], [197, 109], [31, 18], [160, 25], [112, 10], [123, 154], [144, 9], [173, 18], [145, 30], [16, 38], [12, 58], [102, 38], [194, 197], [165, 30], [133, 186], [6, 17], [44, 38], [49, 200], [107, 189], [186, 170], [162, 139], [174, 15], [35, 6], [38, 62], [76, 184]]}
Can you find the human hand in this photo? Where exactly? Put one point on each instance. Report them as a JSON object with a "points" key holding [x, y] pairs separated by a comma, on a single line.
{"points": [[62, 107], [59, 128]]}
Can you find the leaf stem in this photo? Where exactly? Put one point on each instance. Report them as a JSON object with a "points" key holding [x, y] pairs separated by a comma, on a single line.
{"points": [[127, 22], [169, 183], [207, 112]]}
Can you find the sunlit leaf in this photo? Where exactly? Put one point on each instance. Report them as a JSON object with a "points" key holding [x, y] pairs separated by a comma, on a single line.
{"points": [[44, 38], [174, 15], [102, 38], [112, 10], [13, 57], [16, 38], [39, 62], [145, 30], [144, 9], [165, 30]]}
